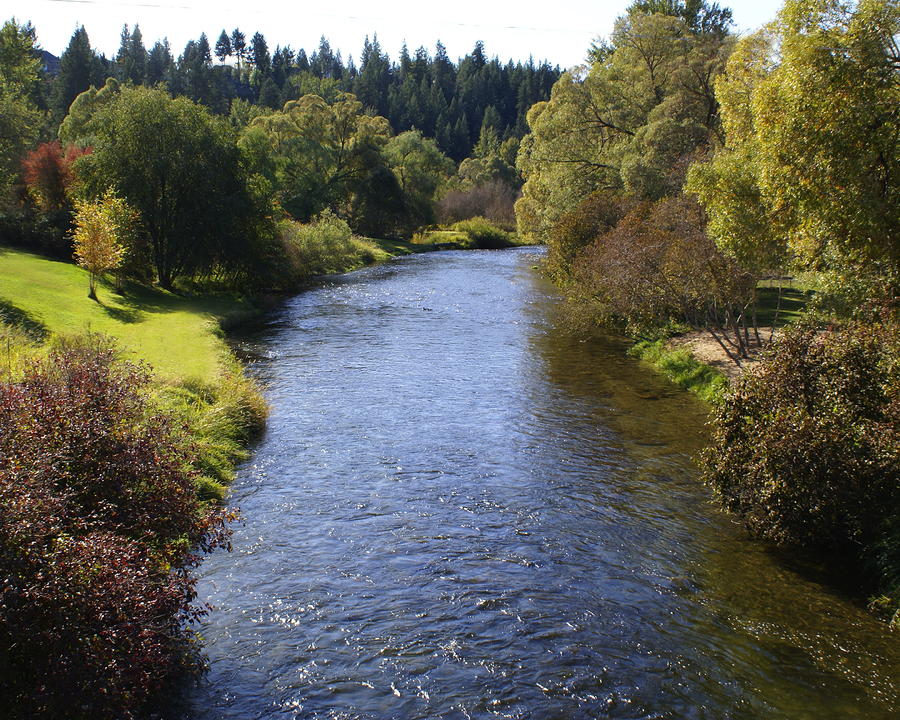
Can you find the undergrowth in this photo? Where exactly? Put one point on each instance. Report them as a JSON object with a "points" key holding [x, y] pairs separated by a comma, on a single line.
{"points": [[683, 369]]}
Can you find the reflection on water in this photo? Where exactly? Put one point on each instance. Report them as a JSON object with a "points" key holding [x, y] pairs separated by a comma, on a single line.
{"points": [[461, 511]]}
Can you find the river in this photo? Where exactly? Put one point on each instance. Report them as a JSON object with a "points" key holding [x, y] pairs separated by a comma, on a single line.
{"points": [[461, 510]]}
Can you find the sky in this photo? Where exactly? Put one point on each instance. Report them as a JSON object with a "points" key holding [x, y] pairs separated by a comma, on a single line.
{"points": [[559, 31]]}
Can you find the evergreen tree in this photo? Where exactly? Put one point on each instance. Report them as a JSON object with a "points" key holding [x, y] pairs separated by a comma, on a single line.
{"points": [[223, 47], [238, 45], [75, 70], [159, 63], [259, 54], [131, 60]]}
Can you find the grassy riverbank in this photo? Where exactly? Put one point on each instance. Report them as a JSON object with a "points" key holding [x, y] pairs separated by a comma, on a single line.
{"points": [[694, 361]]}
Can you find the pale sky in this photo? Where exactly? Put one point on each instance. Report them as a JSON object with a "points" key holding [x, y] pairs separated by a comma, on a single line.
{"points": [[558, 31]]}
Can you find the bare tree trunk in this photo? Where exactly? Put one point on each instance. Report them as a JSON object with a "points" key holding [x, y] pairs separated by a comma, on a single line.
{"points": [[711, 327], [755, 318], [777, 309]]}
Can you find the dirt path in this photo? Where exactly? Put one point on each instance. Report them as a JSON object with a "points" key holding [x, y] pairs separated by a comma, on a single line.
{"points": [[704, 347]]}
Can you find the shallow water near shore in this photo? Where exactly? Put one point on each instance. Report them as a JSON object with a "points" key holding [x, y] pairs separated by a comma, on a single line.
{"points": [[460, 510]]}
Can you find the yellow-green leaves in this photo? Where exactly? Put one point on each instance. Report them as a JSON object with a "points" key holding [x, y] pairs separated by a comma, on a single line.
{"points": [[100, 230]]}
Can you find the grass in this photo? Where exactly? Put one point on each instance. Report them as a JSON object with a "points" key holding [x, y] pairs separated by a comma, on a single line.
{"points": [[793, 302], [197, 378], [179, 337], [682, 368]]}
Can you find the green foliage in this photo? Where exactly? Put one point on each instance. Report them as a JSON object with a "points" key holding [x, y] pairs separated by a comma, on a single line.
{"points": [[77, 127], [314, 153], [809, 172], [630, 124], [180, 169], [806, 448], [320, 247], [421, 169], [20, 116], [483, 234], [683, 369]]}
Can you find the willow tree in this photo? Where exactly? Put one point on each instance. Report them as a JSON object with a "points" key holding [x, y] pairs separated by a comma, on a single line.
{"points": [[627, 124], [179, 167], [812, 152], [316, 153]]}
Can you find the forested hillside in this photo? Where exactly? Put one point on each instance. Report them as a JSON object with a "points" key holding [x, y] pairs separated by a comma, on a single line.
{"points": [[445, 100]]}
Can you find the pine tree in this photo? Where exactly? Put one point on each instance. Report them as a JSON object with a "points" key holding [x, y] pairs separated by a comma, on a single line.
{"points": [[259, 53], [74, 71], [238, 45], [223, 47]]}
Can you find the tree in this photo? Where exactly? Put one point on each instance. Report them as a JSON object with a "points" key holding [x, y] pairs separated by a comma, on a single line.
{"points": [[20, 116], [631, 124], [97, 236], [812, 151], [131, 60], [223, 47], [316, 153], [421, 168], [77, 127], [75, 71], [701, 17], [48, 173], [238, 45], [259, 54], [179, 168], [159, 63]]}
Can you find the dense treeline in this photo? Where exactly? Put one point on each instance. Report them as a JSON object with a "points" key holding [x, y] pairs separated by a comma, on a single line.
{"points": [[450, 102], [213, 162], [684, 167]]}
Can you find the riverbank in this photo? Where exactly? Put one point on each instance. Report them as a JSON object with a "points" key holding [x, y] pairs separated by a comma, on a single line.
{"points": [[697, 362]]}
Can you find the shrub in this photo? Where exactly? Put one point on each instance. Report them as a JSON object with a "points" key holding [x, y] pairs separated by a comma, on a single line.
{"points": [[321, 247], [494, 200], [48, 172], [483, 234], [99, 528], [806, 448]]}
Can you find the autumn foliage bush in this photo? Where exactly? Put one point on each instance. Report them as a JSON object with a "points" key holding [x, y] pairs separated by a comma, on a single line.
{"points": [[48, 171], [100, 525], [806, 449]]}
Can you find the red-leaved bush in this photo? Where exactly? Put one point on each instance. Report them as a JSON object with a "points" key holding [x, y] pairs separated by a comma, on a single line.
{"points": [[48, 173], [100, 526]]}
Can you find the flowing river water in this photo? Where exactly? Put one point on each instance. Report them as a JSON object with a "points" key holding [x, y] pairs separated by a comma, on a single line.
{"points": [[460, 510]]}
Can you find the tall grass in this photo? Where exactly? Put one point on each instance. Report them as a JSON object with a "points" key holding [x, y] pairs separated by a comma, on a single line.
{"points": [[222, 418], [683, 369]]}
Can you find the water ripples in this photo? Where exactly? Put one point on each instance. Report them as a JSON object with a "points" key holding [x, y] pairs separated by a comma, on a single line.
{"points": [[461, 511]]}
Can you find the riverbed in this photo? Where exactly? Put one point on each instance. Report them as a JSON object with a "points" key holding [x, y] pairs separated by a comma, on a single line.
{"points": [[461, 509]]}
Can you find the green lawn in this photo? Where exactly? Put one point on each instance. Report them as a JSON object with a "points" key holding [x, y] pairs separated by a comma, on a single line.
{"points": [[793, 301], [178, 336]]}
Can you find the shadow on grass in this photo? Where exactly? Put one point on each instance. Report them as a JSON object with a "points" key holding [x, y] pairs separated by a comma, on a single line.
{"points": [[793, 303], [12, 315], [123, 314], [139, 299]]}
